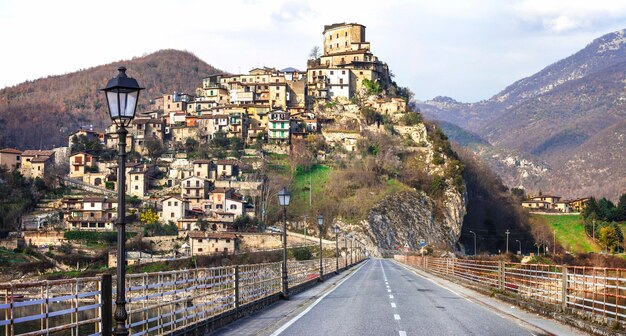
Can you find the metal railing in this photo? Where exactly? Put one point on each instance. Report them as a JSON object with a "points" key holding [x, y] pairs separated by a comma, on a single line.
{"points": [[596, 293], [158, 303], [70, 307]]}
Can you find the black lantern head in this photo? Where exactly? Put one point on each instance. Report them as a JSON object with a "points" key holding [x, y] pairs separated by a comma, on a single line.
{"points": [[284, 196], [320, 220], [122, 94]]}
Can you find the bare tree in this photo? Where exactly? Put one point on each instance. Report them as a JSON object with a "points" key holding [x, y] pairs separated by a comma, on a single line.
{"points": [[315, 53]]}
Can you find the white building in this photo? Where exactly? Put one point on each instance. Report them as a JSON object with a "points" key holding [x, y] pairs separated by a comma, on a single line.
{"points": [[173, 209]]}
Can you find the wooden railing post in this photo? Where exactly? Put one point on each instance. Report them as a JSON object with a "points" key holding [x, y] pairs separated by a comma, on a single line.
{"points": [[564, 287], [106, 302], [502, 274], [236, 287]]}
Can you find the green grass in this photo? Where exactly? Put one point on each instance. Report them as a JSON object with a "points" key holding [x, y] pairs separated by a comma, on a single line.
{"points": [[570, 233], [318, 175]]}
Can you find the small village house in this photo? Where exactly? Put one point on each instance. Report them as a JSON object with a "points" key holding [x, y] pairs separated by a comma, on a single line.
{"points": [[10, 158], [203, 243]]}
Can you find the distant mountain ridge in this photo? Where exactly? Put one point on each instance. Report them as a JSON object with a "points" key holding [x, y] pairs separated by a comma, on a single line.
{"points": [[558, 117], [41, 113]]}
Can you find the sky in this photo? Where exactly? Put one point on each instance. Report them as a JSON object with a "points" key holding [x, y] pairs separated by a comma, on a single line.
{"points": [[468, 50]]}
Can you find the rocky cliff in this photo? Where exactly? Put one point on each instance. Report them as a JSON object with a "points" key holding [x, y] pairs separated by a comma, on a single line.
{"points": [[401, 220]]}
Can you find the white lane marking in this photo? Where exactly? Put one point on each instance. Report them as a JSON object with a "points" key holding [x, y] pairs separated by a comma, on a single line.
{"points": [[387, 286], [396, 316], [308, 309], [393, 305], [402, 333], [390, 296], [389, 291], [383, 268]]}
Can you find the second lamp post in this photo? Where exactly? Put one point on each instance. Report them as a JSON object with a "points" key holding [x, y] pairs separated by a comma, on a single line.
{"points": [[320, 223], [283, 200], [336, 249]]}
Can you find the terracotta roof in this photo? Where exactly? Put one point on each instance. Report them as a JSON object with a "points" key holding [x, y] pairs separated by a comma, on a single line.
{"points": [[201, 161], [40, 159], [11, 151], [94, 199], [172, 196], [37, 152], [201, 234]]}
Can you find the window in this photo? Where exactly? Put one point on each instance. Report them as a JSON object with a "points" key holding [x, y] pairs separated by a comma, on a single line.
{"points": [[216, 249], [343, 72], [168, 105], [346, 33], [360, 72], [200, 250], [225, 249], [346, 44], [136, 178], [277, 87], [199, 240], [136, 187], [93, 204], [332, 72], [175, 203], [38, 167], [227, 241], [169, 203], [233, 207], [75, 168], [340, 80], [197, 183], [171, 215], [337, 35]]}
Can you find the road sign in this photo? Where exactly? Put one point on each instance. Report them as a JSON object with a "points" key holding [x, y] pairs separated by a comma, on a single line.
{"points": [[422, 243]]}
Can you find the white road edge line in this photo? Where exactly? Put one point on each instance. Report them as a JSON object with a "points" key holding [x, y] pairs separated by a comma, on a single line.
{"points": [[402, 333], [308, 309]]}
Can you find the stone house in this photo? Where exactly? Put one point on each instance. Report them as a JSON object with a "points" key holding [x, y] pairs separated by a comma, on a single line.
{"points": [[203, 243], [10, 158]]}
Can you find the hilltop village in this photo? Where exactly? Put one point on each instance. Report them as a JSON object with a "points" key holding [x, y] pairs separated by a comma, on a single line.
{"points": [[197, 160]]}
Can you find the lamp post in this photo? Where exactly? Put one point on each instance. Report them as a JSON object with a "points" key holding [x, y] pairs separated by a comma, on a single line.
{"points": [[345, 249], [122, 93], [283, 200], [520, 246], [474, 233], [320, 223], [351, 250], [336, 249]]}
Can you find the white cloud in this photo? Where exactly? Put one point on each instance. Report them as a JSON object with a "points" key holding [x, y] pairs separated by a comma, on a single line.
{"points": [[563, 16]]}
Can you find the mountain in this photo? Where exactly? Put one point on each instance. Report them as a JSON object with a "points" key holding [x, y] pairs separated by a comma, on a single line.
{"points": [[558, 120], [42, 113]]}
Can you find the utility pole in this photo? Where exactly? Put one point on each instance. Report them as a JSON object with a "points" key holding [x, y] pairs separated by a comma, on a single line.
{"points": [[507, 240], [554, 242], [305, 241]]}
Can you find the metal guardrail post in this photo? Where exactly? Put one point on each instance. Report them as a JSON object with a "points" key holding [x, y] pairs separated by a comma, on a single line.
{"points": [[106, 302], [501, 274], [236, 287], [564, 287]]}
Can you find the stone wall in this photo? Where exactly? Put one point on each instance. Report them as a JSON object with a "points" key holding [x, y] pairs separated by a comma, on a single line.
{"points": [[39, 238]]}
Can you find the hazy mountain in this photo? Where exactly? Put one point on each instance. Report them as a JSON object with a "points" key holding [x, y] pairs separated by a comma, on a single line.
{"points": [[564, 120], [41, 113]]}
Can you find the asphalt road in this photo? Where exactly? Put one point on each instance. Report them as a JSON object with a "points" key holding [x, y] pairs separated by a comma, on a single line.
{"points": [[383, 298]]}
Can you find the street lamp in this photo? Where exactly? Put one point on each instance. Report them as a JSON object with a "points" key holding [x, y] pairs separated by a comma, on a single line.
{"points": [[520, 246], [283, 200], [351, 250], [472, 232], [345, 249], [336, 249], [122, 93], [320, 223]]}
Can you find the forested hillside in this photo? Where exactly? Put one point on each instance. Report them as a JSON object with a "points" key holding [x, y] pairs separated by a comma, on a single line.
{"points": [[41, 113]]}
